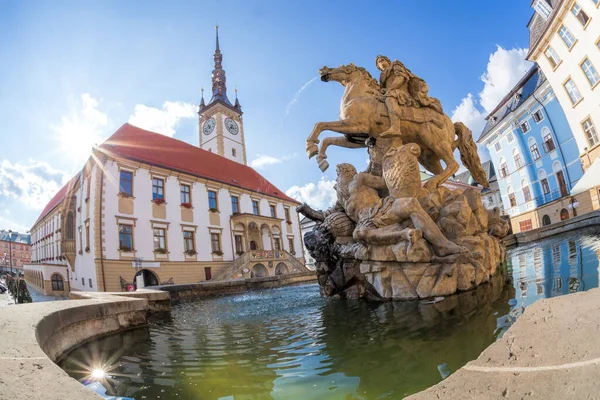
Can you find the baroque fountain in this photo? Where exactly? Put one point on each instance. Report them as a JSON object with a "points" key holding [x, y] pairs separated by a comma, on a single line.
{"points": [[388, 236]]}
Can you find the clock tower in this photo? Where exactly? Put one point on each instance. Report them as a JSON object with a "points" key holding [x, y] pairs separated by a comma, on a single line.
{"points": [[221, 124]]}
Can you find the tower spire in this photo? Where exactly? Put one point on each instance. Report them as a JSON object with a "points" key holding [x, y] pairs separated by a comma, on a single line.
{"points": [[219, 81]]}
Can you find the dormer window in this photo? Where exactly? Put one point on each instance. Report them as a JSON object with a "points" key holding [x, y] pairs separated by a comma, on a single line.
{"points": [[543, 8]]}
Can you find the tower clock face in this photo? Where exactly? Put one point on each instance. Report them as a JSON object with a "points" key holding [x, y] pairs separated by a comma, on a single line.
{"points": [[209, 126], [232, 126]]}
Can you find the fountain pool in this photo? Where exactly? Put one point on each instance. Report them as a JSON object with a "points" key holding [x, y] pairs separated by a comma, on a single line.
{"points": [[290, 343]]}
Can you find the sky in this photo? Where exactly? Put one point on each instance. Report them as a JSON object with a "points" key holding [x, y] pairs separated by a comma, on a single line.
{"points": [[74, 71]]}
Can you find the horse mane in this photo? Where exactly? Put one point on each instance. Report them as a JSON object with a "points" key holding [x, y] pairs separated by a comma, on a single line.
{"points": [[372, 83]]}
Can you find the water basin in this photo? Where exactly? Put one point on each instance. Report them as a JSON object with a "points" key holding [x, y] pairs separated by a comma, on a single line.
{"points": [[290, 343]]}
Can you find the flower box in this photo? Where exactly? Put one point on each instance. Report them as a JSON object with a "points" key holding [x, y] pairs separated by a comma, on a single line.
{"points": [[87, 249], [218, 253], [158, 201], [80, 252], [160, 251], [288, 222], [213, 209], [126, 249], [126, 195], [191, 252], [186, 205], [78, 209]]}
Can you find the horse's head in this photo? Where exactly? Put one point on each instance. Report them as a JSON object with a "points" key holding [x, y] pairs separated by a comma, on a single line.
{"points": [[342, 74]]}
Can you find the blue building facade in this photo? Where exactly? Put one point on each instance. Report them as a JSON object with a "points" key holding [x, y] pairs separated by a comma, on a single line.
{"points": [[535, 154]]}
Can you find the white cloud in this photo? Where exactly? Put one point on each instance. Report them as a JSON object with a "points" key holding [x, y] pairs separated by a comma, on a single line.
{"points": [[505, 68], [32, 184], [83, 128], [162, 120], [7, 224], [320, 196], [263, 161]]}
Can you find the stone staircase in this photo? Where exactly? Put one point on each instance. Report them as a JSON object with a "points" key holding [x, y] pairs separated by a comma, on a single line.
{"points": [[232, 269]]}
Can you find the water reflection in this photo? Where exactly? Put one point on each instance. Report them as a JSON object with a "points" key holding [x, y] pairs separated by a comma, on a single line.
{"points": [[289, 343]]}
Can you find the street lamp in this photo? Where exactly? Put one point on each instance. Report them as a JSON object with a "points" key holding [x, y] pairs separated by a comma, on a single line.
{"points": [[574, 204], [10, 260]]}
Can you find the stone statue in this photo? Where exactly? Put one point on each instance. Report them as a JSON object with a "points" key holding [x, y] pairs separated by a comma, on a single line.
{"points": [[388, 236]]}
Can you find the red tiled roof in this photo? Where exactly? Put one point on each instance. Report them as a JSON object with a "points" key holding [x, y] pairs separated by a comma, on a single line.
{"points": [[55, 201], [159, 150]]}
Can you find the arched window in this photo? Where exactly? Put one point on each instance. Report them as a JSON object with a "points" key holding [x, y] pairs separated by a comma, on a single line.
{"points": [[58, 283], [518, 159], [560, 178], [512, 200], [70, 234], [533, 148], [526, 190], [546, 220], [564, 214]]}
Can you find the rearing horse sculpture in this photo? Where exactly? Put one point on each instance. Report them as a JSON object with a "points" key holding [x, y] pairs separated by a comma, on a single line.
{"points": [[364, 115]]}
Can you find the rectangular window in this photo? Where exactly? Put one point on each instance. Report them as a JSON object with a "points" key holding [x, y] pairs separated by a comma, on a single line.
{"points": [[535, 152], [235, 204], [233, 152], [125, 237], [159, 240], [126, 183], [590, 72], [212, 200], [83, 281], [186, 195], [291, 245], [287, 215], [510, 137], [545, 186], [188, 241], [215, 243], [538, 116], [512, 199], [549, 143], [158, 188], [527, 193], [273, 211], [90, 281], [208, 273], [239, 247], [497, 146], [255, 207], [581, 16], [276, 244], [552, 57], [525, 127], [566, 36], [518, 161], [590, 131], [87, 238], [525, 225]]}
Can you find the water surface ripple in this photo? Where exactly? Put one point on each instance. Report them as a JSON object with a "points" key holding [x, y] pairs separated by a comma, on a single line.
{"points": [[290, 343]]}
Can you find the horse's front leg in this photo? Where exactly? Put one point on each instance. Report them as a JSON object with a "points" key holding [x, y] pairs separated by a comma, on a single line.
{"points": [[341, 141], [345, 126]]}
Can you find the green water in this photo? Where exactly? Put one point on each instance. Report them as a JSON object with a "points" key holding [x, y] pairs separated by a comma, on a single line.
{"points": [[289, 343]]}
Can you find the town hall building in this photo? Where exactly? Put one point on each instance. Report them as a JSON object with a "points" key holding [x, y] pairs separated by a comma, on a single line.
{"points": [[147, 209]]}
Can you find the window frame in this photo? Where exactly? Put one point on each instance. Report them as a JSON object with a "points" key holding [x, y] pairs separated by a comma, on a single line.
{"points": [[158, 191], [497, 146], [288, 217], [580, 11], [215, 237], [534, 150], [236, 203], [518, 160], [238, 242], [512, 199], [546, 148], [60, 280], [162, 239], [211, 199], [538, 114], [130, 181], [590, 68], [125, 234], [523, 124], [510, 137], [256, 207], [273, 210], [553, 58], [567, 32], [570, 80], [187, 240], [291, 245], [183, 194], [592, 127]]}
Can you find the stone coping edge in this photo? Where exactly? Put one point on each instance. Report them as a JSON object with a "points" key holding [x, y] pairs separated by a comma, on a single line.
{"points": [[551, 352], [36, 335]]}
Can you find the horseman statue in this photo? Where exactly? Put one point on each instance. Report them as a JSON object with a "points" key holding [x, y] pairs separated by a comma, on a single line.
{"points": [[403, 93]]}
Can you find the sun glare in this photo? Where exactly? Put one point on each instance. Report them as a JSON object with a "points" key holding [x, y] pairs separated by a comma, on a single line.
{"points": [[98, 374]]}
